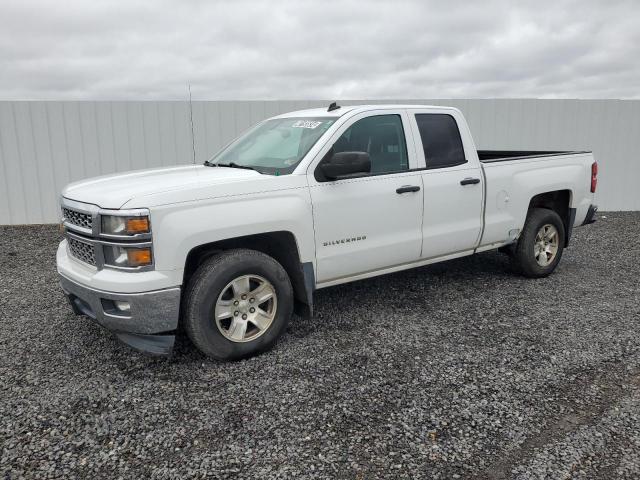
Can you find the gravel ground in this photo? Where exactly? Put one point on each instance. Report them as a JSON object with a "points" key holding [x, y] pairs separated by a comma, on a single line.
{"points": [[457, 370]]}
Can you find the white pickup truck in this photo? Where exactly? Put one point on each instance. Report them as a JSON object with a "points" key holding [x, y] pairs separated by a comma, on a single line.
{"points": [[230, 249]]}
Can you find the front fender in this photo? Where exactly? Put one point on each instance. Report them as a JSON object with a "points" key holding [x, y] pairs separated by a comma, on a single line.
{"points": [[180, 228]]}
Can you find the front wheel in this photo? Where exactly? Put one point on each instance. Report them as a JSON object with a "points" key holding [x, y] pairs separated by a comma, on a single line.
{"points": [[540, 245], [237, 304]]}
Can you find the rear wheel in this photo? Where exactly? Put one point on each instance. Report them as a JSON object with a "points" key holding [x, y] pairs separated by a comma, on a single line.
{"points": [[540, 245], [237, 304]]}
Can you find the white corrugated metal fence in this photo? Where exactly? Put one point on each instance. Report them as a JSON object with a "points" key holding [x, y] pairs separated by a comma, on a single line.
{"points": [[45, 145]]}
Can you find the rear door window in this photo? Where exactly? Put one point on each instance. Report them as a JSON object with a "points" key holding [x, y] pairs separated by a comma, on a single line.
{"points": [[440, 140]]}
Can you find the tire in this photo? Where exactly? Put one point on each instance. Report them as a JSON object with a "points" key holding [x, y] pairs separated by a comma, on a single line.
{"points": [[215, 309], [531, 252]]}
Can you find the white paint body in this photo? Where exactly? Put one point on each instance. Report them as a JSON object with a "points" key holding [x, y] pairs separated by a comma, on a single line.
{"points": [[194, 205]]}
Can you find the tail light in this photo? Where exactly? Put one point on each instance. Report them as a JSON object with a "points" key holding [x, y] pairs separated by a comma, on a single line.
{"points": [[594, 176]]}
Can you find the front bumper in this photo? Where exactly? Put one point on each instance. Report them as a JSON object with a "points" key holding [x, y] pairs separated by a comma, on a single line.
{"points": [[144, 326]]}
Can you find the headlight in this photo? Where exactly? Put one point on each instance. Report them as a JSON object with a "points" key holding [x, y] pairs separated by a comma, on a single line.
{"points": [[122, 256], [125, 225]]}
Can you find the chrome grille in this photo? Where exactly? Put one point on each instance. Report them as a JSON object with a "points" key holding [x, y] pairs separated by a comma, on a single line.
{"points": [[79, 219], [83, 251]]}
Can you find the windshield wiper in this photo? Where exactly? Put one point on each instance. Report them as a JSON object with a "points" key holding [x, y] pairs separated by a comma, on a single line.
{"points": [[235, 165], [207, 163]]}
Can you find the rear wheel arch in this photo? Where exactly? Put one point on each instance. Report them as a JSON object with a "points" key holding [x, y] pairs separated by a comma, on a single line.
{"points": [[560, 202], [539, 248]]}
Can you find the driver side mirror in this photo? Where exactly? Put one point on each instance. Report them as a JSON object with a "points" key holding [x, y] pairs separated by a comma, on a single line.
{"points": [[343, 164]]}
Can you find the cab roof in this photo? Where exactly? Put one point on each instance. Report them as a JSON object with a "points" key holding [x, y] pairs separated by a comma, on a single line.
{"points": [[322, 112]]}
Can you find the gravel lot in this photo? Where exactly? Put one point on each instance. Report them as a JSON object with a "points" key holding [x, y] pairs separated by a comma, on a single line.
{"points": [[458, 370]]}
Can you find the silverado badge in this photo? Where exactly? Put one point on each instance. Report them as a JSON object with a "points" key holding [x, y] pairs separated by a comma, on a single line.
{"points": [[344, 240]]}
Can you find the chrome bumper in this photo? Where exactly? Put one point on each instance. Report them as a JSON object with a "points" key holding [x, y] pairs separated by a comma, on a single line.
{"points": [[142, 327]]}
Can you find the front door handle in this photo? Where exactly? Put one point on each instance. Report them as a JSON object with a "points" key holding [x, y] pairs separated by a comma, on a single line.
{"points": [[469, 181], [408, 188]]}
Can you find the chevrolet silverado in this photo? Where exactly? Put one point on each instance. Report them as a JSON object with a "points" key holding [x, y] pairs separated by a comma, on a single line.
{"points": [[227, 251]]}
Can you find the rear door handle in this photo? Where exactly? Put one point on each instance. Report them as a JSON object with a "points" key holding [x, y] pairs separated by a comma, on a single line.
{"points": [[408, 188], [469, 181]]}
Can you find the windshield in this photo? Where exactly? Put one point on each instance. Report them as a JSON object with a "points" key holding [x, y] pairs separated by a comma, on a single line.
{"points": [[275, 146]]}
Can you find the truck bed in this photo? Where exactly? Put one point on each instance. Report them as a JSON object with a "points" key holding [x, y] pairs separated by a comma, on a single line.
{"points": [[490, 156]]}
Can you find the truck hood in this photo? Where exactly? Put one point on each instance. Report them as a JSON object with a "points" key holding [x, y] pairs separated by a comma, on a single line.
{"points": [[113, 191]]}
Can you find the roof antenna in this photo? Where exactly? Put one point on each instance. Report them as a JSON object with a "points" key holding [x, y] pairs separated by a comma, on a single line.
{"points": [[193, 138], [332, 107]]}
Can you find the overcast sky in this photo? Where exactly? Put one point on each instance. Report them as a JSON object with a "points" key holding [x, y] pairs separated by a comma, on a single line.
{"points": [[135, 49]]}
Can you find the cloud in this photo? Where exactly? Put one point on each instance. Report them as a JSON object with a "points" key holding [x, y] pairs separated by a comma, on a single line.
{"points": [[143, 49]]}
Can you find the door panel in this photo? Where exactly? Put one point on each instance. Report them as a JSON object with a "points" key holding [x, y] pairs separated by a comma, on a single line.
{"points": [[452, 212], [363, 224]]}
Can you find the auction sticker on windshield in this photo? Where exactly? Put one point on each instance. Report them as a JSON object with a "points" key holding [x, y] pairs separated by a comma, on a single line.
{"points": [[306, 124]]}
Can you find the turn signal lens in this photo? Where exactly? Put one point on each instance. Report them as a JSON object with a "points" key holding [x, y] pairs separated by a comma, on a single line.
{"points": [[138, 257], [138, 225], [127, 257]]}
